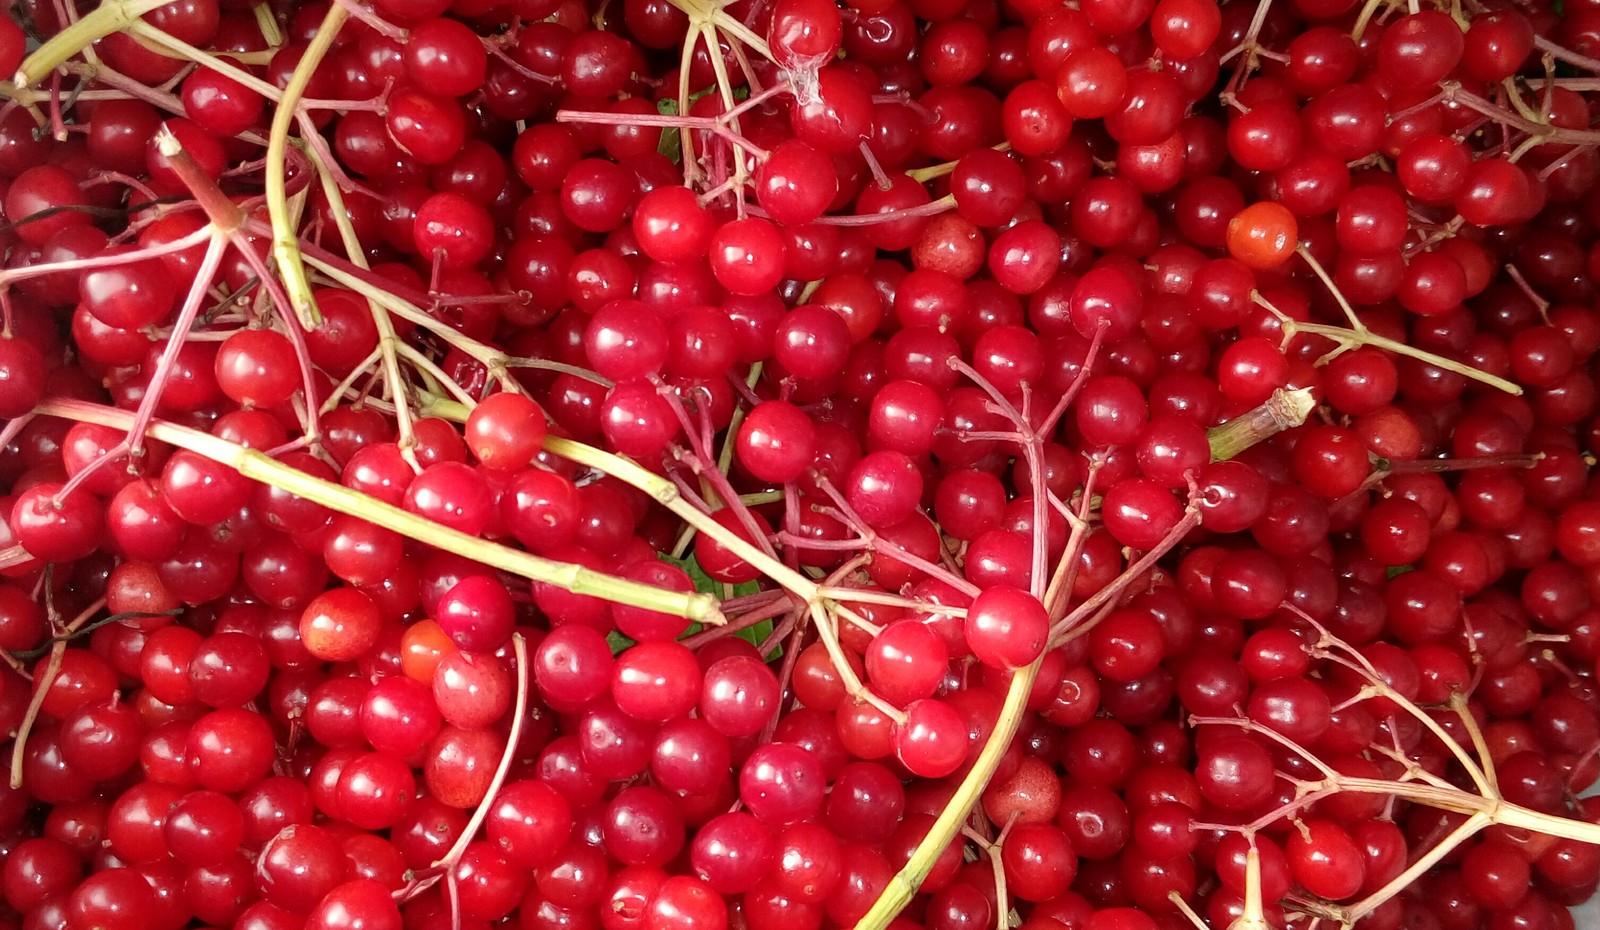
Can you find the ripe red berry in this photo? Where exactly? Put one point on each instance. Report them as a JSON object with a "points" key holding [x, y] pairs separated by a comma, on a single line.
{"points": [[505, 431]]}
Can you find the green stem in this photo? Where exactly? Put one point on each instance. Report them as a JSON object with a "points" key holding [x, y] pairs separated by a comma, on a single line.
{"points": [[1458, 703], [740, 31], [41, 687], [903, 887], [267, 22], [720, 68], [1499, 811], [725, 457], [110, 16], [488, 357], [42, 683], [171, 46], [427, 367], [943, 168], [1349, 338], [258, 466], [1361, 665], [1514, 815], [1427, 790], [664, 493], [285, 241], [1327, 281], [1424, 863]]}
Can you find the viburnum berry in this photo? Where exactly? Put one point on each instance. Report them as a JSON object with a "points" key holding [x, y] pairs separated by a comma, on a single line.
{"points": [[452, 230], [477, 613], [54, 524], [22, 377], [256, 368], [429, 127], [672, 226], [1263, 235], [795, 183], [1185, 28], [776, 442], [505, 431], [1422, 47], [804, 33], [50, 192], [1496, 44], [445, 56], [932, 742], [13, 44], [340, 625], [219, 104], [1006, 627], [747, 256]]}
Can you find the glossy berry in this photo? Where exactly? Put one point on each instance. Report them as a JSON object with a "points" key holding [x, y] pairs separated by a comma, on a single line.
{"points": [[1006, 627], [505, 431]]}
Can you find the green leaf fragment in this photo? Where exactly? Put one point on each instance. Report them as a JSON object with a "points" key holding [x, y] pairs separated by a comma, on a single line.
{"points": [[618, 642], [755, 634]]}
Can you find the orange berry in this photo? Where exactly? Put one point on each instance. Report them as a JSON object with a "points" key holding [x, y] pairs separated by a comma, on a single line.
{"points": [[1263, 235], [340, 625], [422, 645]]}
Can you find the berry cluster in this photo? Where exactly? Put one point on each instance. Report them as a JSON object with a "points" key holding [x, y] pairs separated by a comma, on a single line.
{"points": [[775, 465]]}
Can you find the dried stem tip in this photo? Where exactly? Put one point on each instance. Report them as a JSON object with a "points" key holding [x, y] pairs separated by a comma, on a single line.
{"points": [[1285, 409]]}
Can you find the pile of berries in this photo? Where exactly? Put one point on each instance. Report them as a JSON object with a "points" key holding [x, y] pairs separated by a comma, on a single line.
{"points": [[779, 465]]}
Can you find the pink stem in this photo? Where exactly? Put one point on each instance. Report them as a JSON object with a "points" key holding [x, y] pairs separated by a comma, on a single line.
{"points": [[297, 336], [715, 125], [500, 53], [933, 208], [116, 177], [871, 541], [72, 483], [156, 98], [743, 622], [116, 259], [702, 463], [825, 545], [755, 100], [378, 23], [1190, 520], [58, 125], [1078, 381], [1032, 449], [1444, 465], [325, 157], [413, 297], [1565, 54], [478, 300], [879, 176], [1506, 117], [169, 357]]}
